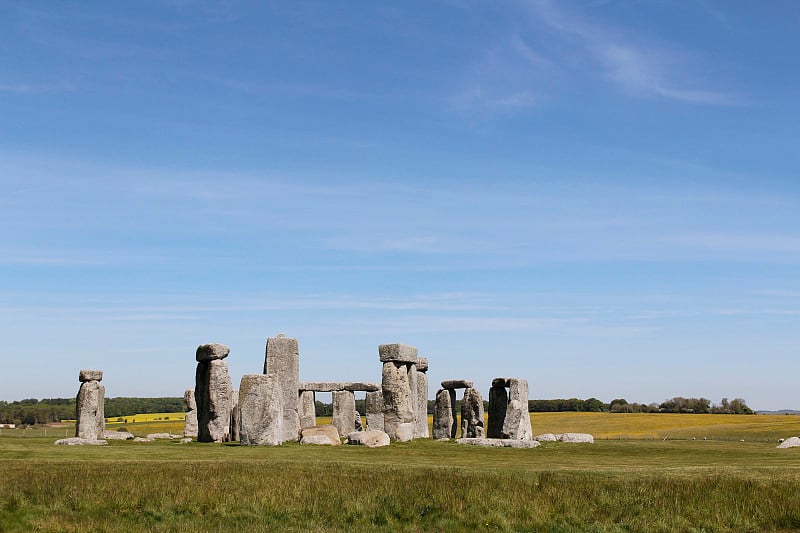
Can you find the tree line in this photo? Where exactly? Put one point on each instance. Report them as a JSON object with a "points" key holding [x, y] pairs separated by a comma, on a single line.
{"points": [[32, 411]]}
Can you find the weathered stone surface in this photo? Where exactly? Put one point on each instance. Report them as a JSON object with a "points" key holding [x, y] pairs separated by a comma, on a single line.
{"points": [[444, 415], [90, 418], [211, 352], [306, 409], [164, 436], [374, 408], [457, 384], [235, 416], [405, 432], [116, 435], [517, 423], [398, 353], [190, 422], [186, 440], [498, 443], [261, 410], [331, 386], [344, 407], [501, 382], [791, 442], [213, 394], [282, 359], [143, 439], [576, 437], [358, 424], [472, 414], [372, 438], [546, 437], [326, 431], [422, 364], [498, 404], [422, 431], [317, 439], [188, 397], [398, 407], [90, 375], [412, 384], [78, 441]]}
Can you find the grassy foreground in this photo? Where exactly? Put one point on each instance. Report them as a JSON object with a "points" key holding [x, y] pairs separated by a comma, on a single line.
{"points": [[613, 485]]}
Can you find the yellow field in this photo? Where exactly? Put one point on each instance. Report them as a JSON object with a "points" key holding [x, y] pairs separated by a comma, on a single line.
{"points": [[150, 417]]}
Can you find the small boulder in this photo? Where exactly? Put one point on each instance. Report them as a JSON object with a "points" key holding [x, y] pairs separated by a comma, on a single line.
{"points": [[372, 438], [318, 439], [186, 440], [791, 442], [328, 431], [77, 441], [577, 437], [209, 352], [546, 437], [405, 432], [154, 436], [142, 439], [116, 435]]}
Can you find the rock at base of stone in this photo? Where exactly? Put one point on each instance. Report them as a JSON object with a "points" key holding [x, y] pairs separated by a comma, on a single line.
{"points": [[90, 375], [211, 352], [444, 415], [78, 441], [116, 435], [472, 414], [405, 432], [371, 438], [328, 431], [457, 384], [398, 353], [143, 439], [261, 410], [374, 408], [186, 440], [791, 442], [576, 437], [546, 437], [501, 443]]}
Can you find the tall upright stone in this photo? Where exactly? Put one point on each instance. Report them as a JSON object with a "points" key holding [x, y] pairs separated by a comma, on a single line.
{"points": [[422, 431], [517, 423], [398, 403], [307, 409], [235, 416], [498, 403], [213, 393], [261, 410], [282, 360], [344, 409], [444, 414], [89, 406], [472, 414], [190, 424], [374, 408]]}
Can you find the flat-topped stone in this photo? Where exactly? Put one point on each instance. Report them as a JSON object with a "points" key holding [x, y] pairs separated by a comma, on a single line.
{"points": [[90, 375], [332, 386], [78, 441], [422, 364], [209, 352], [398, 353], [457, 384], [576, 437], [500, 443]]}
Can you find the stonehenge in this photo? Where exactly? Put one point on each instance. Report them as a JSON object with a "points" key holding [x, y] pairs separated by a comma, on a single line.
{"points": [[444, 415], [213, 393], [403, 384], [345, 417], [89, 409], [508, 410], [261, 410], [282, 360], [472, 414]]}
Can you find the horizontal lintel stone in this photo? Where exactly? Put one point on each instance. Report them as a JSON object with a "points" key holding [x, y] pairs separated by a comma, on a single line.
{"points": [[331, 386], [457, 384], [398, 353]]}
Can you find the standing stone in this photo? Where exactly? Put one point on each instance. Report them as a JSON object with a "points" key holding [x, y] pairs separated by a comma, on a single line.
{"points": [[498, 403], [235, 416], [398, 407], [344, 407], [472, 414], [213, 393], [413, 378], [359, 426], [89, 406], [444, 415], [517, 423], [374, 408], [261, 410], [283, 360], [190, 424], [422, 400], [307, 409]]}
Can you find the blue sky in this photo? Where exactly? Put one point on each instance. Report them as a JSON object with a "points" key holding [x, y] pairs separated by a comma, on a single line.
{"points": [[599, 196]]}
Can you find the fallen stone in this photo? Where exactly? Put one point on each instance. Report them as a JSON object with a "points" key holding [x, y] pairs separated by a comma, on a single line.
{"points": [[791, 442], [261, 410], [211, 352], [444, 415], [546, 437], [157, 436], [405, 432], [116, 435], [457, 384], [90, 375], [326, 430], [576, 437], [371, 438], [397, 353], [78, 441], [143, 439], [504, 443], [186, 440], [331, 386], [472, 414], [282, 359], [317, 439]]}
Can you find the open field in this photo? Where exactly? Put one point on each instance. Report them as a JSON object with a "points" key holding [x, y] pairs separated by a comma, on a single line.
{"points": [[613, 485]]}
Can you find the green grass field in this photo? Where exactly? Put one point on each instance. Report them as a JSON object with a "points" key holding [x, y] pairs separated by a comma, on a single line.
{"points": [[639, 483]]}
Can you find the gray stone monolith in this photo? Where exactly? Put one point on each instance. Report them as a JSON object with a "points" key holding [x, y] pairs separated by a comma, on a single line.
{"points": [[89, 406], [344, 407], [398, 406], [498, 404], [358, 424], [307, 409], [190, 423], [261, 410], [235, 416], [517, 422], [374, 408], [282, 359], [444, 415], [422, 431], [213, 393], [472, 414]]}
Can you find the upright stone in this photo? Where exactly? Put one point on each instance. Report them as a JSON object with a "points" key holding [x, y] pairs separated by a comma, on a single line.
{"points": [[498, 403], [374, 408], [261, 410], [413, 380], [89, 406], [190, 424], [307, 409], [517, 423], [235, 416], [472, 414], [398, 407], [344, 408], [444, 415], [283, 361], [213, 393], [422, 430]]}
